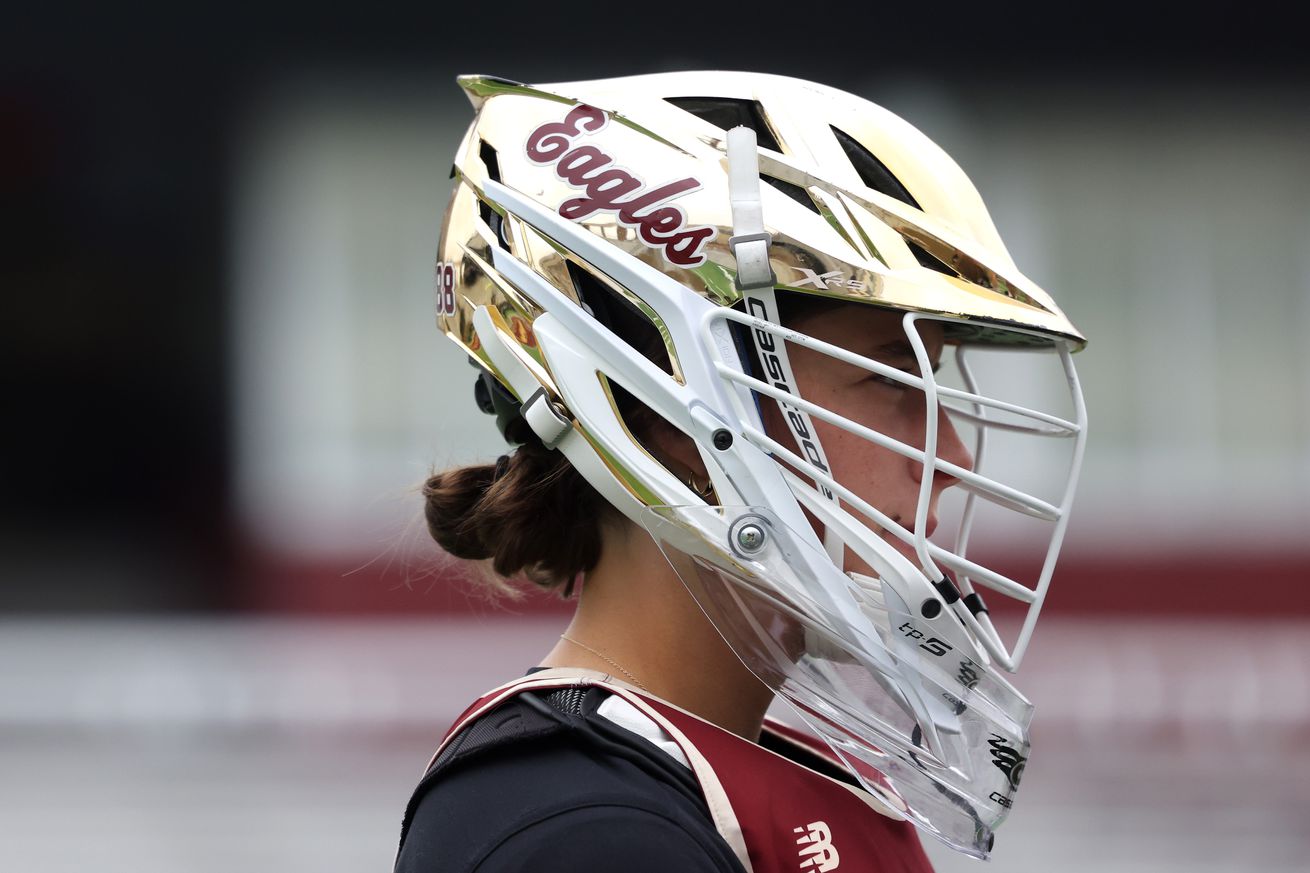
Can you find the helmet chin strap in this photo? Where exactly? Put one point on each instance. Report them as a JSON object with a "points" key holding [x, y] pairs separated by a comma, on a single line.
{"points": [[755, 280]]}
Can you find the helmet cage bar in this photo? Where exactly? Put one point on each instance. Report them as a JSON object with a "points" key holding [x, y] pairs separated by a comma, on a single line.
{"points": [[999, 492], [977, 621], [974, 484], [990, 578], [977, 420], [980, 625], [977, 415], [929, 455], [1018, 500], [1066, 503], [1059, 426]]}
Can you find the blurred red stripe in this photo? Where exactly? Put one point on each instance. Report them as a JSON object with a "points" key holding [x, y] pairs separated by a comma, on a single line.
{"points": [[1185, 584]]}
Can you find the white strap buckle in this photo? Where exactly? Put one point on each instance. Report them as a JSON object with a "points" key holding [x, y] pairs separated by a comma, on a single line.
{"points": [[547, 418], [749, 242], [753, 268]]}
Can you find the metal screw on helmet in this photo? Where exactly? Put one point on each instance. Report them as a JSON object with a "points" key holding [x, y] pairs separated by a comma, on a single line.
{"points": [[749, 537], [722, 439]]}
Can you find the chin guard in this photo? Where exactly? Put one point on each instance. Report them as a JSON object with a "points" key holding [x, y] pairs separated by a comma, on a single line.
{"points": [[910, 703]]}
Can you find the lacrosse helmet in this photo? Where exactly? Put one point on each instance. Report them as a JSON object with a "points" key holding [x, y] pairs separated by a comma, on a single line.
{"points": [[692, 202]]}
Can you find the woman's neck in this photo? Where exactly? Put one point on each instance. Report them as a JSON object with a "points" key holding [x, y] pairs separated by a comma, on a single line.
{"points": [[636, 621]]}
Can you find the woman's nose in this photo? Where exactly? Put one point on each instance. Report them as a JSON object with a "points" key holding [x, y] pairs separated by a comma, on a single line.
{"points": [[951, 449]]}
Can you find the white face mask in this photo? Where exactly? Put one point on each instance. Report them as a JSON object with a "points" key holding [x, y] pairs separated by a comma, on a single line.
{"points": [[910, 703]]}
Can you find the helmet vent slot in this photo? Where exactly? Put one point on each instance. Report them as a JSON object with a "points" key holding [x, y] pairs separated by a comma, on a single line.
{"points": [[613, 309], [488, 154], [495, 222], [620, 315], [795, 192], [929, 260], [493, 219], [727, 112], [873, 172]]}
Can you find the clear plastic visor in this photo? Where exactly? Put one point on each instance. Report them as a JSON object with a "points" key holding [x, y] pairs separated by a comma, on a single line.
{"points": [[901, 698]]}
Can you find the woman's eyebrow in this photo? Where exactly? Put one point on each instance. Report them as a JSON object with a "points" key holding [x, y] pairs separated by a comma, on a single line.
{"points": [[901, 349]]}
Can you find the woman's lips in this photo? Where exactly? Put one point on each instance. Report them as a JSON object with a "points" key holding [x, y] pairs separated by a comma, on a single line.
{"points": [[908, 549], [932, 525]]}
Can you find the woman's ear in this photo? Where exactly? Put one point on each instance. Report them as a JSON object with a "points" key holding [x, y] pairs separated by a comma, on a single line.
{"points": [[677, 452]]}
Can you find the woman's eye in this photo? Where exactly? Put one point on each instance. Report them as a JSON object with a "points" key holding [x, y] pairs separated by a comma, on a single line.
{"points": [[889, 381]]}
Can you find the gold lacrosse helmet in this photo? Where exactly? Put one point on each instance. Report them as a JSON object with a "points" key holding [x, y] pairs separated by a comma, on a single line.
{"points": [[688, 203]]}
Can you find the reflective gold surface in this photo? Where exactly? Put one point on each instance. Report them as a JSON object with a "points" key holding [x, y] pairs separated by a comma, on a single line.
{"points": [[855, 244]]}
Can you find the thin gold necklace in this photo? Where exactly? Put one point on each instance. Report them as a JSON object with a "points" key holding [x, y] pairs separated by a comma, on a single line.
{"points": [[606, 659]]}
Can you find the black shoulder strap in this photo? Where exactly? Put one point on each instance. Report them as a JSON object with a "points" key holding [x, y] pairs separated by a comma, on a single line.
{"points": [[524, 717]]}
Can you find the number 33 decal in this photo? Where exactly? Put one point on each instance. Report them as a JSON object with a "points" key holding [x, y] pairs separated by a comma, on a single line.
{"points": [[445, 288]]}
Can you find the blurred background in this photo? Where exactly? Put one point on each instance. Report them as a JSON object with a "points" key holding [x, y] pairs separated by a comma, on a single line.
{"points": [[224, 640]]}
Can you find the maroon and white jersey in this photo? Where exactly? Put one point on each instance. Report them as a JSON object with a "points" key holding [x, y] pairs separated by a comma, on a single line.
{"points": [[775, 814]]}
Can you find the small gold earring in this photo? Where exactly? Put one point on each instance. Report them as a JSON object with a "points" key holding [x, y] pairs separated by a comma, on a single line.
{"points": [[702, 491]]}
